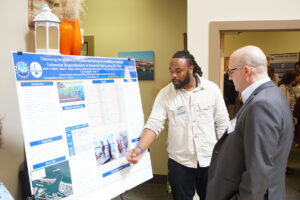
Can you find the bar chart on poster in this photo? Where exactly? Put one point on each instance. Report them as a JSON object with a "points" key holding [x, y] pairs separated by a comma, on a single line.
{"points": [[80, 116]]}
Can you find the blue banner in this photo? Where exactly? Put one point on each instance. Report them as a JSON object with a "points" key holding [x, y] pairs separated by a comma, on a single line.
{"points": [[44, 141], [49, 162], [73, 107], [103, 81], [77, 127], [130, 80], [42, 67], [29, 84], [115, 170]]}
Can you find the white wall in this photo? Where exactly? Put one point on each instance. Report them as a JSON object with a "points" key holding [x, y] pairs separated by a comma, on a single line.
{"points": [[13, 36], [200, 13]]}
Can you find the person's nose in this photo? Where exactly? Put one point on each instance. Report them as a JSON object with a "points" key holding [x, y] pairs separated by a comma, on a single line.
{"points": [[173, 75]]}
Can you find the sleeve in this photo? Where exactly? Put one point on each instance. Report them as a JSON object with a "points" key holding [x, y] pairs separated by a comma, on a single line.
{"points": [[221, 117], [158, 116], [261, 136]]}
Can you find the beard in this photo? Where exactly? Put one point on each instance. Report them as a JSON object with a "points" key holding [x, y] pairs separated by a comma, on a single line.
{"points": [[180, 83]]}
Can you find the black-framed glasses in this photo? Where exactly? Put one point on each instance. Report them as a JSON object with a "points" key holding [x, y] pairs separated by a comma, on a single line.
{"points": [[229, 71]]}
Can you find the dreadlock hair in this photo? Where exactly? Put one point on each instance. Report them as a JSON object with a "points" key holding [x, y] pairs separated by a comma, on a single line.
{"points": [[186, 54]]}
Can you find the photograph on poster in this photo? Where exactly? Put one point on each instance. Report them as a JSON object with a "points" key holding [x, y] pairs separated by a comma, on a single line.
{"points": [[70, 91], [105, 149], [144, 61], [54, 182], [122, 143]]}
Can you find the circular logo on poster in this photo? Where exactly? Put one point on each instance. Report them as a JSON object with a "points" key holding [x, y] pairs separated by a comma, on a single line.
{"points": [[22, 69], [36, 69]]}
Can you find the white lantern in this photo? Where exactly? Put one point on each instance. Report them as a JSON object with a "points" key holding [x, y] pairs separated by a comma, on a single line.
{"points": [[46, 32]]}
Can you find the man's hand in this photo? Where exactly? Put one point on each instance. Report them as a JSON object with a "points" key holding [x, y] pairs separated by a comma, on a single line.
{"points": [[134, 155]]}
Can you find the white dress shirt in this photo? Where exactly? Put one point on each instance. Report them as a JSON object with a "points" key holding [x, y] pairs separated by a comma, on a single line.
{"points": [[250, 89], [196, 120]]}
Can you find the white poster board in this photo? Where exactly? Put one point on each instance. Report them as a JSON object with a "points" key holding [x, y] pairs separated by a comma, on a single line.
{"points": [[80, 116]]}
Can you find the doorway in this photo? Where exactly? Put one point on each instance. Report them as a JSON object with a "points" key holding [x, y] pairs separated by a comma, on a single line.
{"points": [[217, 31]]}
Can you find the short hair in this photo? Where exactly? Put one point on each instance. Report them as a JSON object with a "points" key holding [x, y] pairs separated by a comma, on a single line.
{"points": [[187, 55], [288, 77]]}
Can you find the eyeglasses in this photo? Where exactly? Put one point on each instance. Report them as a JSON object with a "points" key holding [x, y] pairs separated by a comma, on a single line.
{"points": [[229, 71]]}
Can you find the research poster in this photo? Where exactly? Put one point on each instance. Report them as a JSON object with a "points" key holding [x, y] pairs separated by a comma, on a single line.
{"points": [[283, 62], [80, 116]]}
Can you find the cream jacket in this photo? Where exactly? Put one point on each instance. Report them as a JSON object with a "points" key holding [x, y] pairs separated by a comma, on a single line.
{"points": [[196, 120]]}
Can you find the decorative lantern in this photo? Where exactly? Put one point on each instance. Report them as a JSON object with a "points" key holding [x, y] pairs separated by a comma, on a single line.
{"points": [[46, 32]]}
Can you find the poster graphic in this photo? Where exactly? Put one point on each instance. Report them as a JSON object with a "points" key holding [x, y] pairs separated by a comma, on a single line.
{"points": [[55, 182], [105, 149], [70, 91], [122, 143]]}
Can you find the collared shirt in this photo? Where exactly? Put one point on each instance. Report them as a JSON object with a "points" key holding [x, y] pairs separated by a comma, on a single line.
{"points": [[196, 120], [248, 91]]}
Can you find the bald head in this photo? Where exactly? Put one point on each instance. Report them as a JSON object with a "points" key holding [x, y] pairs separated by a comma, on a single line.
{"points": [[246, 66], [251, 56]]}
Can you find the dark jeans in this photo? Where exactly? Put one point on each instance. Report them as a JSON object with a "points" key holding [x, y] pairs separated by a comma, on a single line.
{"points": [[185, 180]]}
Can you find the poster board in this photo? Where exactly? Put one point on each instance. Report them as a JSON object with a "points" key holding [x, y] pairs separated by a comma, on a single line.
{"points": [[80, 116], [283, 62]]}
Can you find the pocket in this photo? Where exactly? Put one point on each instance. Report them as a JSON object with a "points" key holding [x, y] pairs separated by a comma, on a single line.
{"points": [[204, 113], [177, 116]]}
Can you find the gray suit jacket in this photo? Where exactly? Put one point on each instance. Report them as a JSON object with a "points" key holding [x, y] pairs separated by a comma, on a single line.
{"points": [[249, 163]]}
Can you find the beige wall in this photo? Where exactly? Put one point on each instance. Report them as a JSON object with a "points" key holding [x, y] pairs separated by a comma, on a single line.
{"points": [[135, 25], [14, 36], [269, 42], [201, 13]]}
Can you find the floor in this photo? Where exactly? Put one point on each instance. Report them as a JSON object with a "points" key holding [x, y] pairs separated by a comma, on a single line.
{"points": [[148, 191], [293, 181]]}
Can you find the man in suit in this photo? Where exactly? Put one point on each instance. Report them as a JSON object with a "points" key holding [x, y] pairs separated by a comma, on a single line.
{"points": [[249, 160]]}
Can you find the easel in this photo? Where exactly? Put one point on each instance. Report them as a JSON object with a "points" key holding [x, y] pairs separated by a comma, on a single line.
{"points": [[121, 195]]}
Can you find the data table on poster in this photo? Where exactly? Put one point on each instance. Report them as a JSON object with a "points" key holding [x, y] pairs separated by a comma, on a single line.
{"points": [[80, 116]]}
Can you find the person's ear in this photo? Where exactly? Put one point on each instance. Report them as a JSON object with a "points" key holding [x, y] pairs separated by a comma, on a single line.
{"points": [[248, 70], [192, 68]]}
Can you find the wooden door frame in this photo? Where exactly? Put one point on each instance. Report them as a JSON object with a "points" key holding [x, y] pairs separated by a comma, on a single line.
{"points": [[216, 40]]}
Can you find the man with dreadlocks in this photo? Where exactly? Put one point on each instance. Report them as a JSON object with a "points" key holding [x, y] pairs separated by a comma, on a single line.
{"points": [[197, 117]]}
